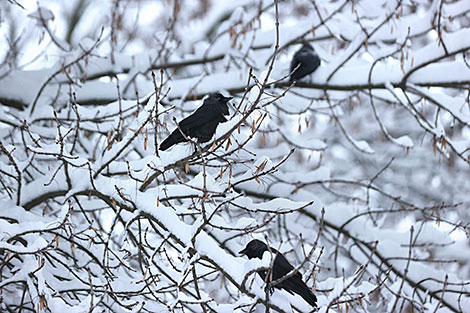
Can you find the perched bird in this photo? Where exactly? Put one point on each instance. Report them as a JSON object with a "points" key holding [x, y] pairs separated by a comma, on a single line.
{"points": [[281, 267], [202, 123], [308, 60]]}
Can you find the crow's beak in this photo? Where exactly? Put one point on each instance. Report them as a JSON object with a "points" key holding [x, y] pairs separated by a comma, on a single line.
{"points": [[242, 252], [227, 98]]}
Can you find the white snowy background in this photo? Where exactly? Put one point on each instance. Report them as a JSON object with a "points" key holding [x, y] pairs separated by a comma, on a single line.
{"points": [[359, 174]]}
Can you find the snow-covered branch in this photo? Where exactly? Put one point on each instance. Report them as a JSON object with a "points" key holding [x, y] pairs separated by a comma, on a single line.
{"points": [[357, 173]]}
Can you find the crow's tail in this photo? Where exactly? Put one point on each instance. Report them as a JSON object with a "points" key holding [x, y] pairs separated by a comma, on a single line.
{"points": [[305, 292], [173, 139]]}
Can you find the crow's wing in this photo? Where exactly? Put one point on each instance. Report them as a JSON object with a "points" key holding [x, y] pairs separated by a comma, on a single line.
{"points": [[300, 57], [174, 138], [201, 124], [295, 61], [282, 267], [208, 112], [294, 283], [308, 60]]}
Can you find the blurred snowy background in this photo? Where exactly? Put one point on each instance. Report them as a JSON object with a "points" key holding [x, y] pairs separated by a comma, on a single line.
{"points": [[359, 174]]}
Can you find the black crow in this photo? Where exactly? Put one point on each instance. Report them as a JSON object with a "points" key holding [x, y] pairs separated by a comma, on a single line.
{"points": [[281, 267], [308, 60], [202, 123]]}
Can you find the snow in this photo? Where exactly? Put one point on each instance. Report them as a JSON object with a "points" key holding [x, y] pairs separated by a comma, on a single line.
{"points": [[42, 13], [375, 142]]}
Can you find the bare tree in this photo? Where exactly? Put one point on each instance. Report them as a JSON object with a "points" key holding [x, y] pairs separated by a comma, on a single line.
{"points": [[358, 174]]}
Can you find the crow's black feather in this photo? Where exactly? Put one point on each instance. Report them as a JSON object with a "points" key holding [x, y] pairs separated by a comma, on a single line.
{"points": [[304, 62], [202, 123], [281, 267]]}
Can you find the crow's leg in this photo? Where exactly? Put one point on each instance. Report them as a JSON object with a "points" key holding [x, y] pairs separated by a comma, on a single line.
{"points": [[269, 288], [198, 148]]}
